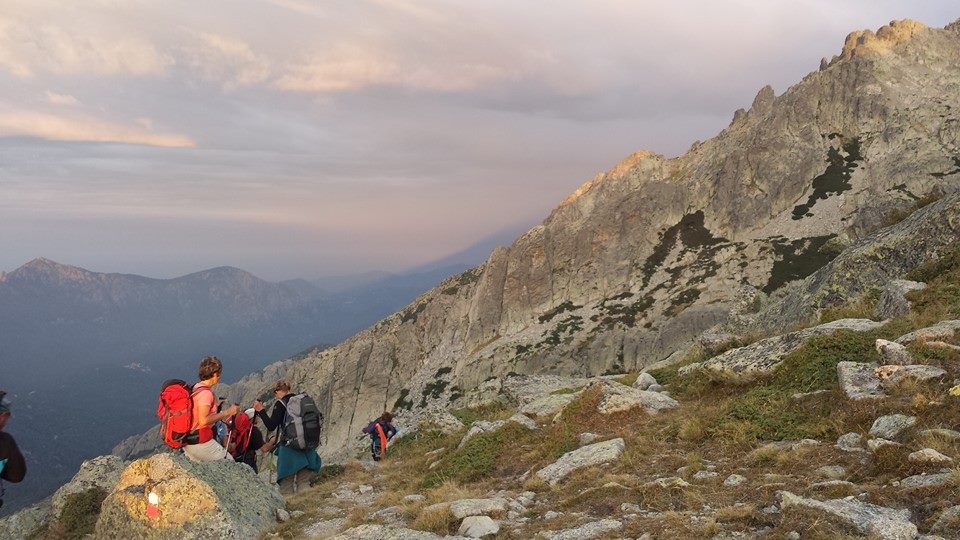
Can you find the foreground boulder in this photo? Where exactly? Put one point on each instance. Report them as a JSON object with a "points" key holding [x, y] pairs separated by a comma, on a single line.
{"points": [[99, 474], [585, 456], [762, 357], [220, 499], [874, 521]]}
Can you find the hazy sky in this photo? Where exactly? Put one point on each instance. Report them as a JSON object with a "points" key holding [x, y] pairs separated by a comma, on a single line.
{"points": [[305, 138]]}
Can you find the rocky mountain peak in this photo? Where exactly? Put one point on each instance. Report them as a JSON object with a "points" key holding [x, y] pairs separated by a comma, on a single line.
{"points": [[618, 171], [866, 42], [43, 269]]}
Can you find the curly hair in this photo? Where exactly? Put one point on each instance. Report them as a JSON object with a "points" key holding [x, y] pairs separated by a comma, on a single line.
{"points": [[209, 366]]}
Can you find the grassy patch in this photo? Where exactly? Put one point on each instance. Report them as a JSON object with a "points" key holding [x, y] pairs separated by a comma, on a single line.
{"points": [[476, 460], [490, 411], [326, 473], [79, 515]]}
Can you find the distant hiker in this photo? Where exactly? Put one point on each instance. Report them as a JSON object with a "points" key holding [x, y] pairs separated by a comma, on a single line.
{"points": [[206, 448], [245, 439], [380, 431], [299, 422], [12, 465]]}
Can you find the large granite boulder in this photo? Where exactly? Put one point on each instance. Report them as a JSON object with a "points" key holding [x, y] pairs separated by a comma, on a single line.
{"points": [[220, 499], [100, 473], [585, 456], [868, 519], [616, 397], [762, 357]]}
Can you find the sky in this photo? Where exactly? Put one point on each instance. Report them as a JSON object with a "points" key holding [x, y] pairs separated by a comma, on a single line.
{"points": [[305, 138]]}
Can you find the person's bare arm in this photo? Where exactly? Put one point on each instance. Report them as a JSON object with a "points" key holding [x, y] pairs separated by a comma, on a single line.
{"points": [[268, 446], [204, 418]]}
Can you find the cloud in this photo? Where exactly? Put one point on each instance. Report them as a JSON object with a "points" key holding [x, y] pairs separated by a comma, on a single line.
{"points": [[62, 128], [225, 60], [61, 99], [29, 48], [355, 68]]}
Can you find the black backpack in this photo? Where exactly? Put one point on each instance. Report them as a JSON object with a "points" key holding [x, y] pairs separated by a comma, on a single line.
{"points": [[302, 423]]}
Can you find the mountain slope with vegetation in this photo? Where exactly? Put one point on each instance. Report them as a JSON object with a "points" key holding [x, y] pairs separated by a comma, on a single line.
{"points": [[723, 344], [634, 266]]}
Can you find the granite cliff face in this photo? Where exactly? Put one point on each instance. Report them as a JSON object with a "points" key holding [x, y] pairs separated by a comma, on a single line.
{"points": [[642, 259]]}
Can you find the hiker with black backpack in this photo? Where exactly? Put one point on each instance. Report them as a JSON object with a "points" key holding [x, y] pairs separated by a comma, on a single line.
{"points": [[298, 421], [380, 431]]}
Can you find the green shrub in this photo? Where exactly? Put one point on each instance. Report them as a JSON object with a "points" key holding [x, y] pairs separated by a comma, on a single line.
{"points": [[476, 460], [770, 412], [484, 412], [814, 365], [80, 513], [326, 472]]}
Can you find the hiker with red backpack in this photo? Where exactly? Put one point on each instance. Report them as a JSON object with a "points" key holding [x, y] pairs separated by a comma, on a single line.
{"points": [[380, 431], [298, 422], [245, 439], [188, 414]]}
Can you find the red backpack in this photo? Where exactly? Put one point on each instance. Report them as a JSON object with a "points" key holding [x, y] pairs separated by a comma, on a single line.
{"points": [[175, 411]]}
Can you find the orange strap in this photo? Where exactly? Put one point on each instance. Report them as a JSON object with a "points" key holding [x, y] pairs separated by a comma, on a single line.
{"points": [[383, 439]]}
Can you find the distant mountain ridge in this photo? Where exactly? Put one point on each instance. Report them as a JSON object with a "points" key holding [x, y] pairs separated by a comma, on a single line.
{"points": [[69, 336]]}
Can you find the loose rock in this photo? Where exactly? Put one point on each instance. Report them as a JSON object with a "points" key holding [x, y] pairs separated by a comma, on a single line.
{"points": [[831, 472], [478, 527], [547, 405], [892, 376], [585, 456], [893, 353], [734, 480], [941, 433], [587, 438], [587, 531], [929, 456], [938, 332], [477, 507], [924, 481], [850, 442], [859, 380], [524, 421], [617, 397], [893, 301], [892, 426], [644, 381], [385, 532], [876, 521]]}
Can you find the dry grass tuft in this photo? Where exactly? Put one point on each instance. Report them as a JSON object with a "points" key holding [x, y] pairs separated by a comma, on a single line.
{"points": [[436, 519]]}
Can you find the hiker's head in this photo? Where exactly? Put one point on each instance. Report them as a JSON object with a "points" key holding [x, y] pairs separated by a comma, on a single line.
{"points": [[4, 409], [281, 389], [210, 367], [386, 417]]}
